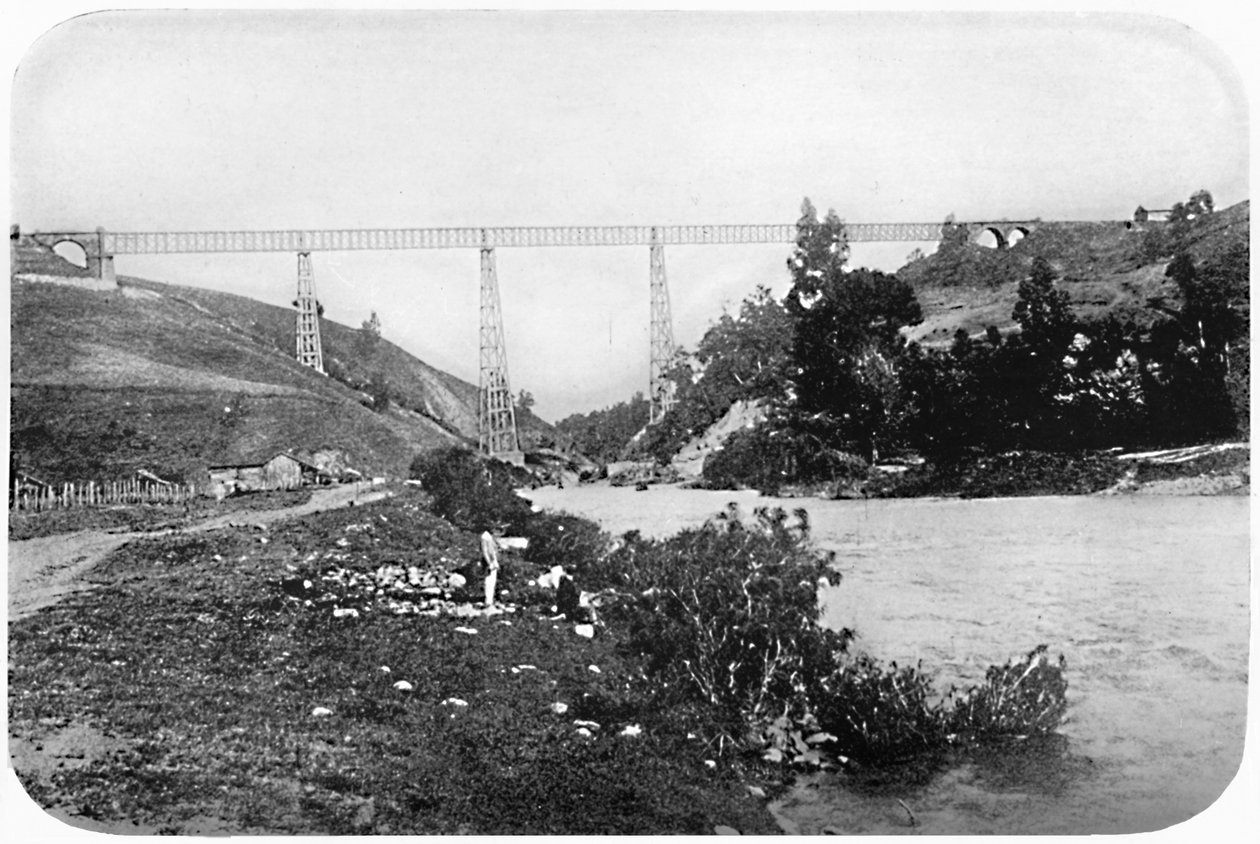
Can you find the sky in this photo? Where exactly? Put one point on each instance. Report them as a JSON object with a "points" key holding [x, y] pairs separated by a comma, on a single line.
{"points": [[197, 120]]}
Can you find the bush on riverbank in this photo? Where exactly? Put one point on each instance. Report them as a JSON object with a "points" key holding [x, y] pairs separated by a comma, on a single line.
{"points": [[726, 615], [468, 491], [477, 495]]}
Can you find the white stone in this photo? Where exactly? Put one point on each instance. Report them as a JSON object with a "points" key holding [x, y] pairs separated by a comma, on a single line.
{"points": [[454, 701], [345, 612], [321, 712], [470, 631], [551, 580], [631, 730], [587, 630], [403, 686], [559, 708]]}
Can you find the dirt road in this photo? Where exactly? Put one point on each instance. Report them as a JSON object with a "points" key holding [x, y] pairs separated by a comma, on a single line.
{"points": [[44, 570]]}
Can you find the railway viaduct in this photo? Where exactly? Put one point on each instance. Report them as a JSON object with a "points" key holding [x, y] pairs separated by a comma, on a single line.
{"points": [[496, 415]]}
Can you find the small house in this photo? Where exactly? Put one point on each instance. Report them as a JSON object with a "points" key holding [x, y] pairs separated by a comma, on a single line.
{"points": [[1142, 215], [281, 471]]}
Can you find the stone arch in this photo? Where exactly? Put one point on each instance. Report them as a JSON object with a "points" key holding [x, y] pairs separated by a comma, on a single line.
{"points": [[72, 251], [1016, 234], [990, 237]]}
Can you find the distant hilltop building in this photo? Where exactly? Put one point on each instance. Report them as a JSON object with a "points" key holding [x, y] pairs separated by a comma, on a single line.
{"points": [[1141, 215]]}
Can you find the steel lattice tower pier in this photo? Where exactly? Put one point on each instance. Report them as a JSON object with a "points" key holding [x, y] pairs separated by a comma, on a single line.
{"points": [[660, 388], [496, 416], [309, 351]]}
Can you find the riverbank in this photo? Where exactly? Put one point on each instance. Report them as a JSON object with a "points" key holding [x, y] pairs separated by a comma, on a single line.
{"points": [[1212, 469], [1222, 469], [336, 674]]}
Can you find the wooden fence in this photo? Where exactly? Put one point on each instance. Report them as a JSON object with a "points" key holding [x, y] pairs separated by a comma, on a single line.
{"points": [[92, 494]]}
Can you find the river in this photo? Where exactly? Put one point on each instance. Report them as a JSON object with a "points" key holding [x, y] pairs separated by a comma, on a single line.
{"points": [[1146, 597]]}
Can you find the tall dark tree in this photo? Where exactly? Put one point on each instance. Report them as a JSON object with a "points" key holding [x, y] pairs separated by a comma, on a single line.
{"points": [[1043, 312], [846, 338]]}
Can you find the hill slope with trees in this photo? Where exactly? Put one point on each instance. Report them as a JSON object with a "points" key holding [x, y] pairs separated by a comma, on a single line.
{"points": [[1079, 336]]}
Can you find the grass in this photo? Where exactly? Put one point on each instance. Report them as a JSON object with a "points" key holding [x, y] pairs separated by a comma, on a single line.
{"points": [[194, 656]]}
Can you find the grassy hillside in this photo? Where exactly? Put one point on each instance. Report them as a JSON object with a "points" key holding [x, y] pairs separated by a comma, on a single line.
{"points": [[1106, 269], [174, 378]]}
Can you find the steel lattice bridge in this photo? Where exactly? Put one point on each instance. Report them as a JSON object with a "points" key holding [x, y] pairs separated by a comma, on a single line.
{"points": [[496, 414], [338, 240]]}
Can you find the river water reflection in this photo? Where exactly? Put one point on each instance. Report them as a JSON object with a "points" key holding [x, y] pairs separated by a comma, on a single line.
{"points": [[1146, 597]]}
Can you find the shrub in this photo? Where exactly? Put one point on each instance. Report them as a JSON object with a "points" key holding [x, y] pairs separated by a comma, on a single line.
{"points": [[562, 539], [766, 458], [469, 491], [880, 713], [726, 615], [1016, 700]]}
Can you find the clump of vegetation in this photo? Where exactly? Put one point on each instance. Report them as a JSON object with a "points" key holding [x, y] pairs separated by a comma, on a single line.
{"points": [[773, 456], [726, 615], [1010, 474], [468, 491], [603, 435], [1016, 700], [478, 494], [562, 539]]}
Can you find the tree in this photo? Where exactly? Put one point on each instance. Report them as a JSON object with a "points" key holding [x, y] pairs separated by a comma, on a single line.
{"points": [[1212, 297], [1200, 395], [1044, 314], [846, 340], [368, 337], [746, 356], [1201, 203], [525, 400], [380, 391], [743, 357], [603, 434], [822, 249]]}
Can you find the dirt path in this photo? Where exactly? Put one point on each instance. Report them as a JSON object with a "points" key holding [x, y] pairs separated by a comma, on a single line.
{"points": [[44, 570]]}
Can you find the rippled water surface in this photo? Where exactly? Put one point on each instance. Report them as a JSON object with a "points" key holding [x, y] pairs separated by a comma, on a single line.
{"points": [[1146, 597]]}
